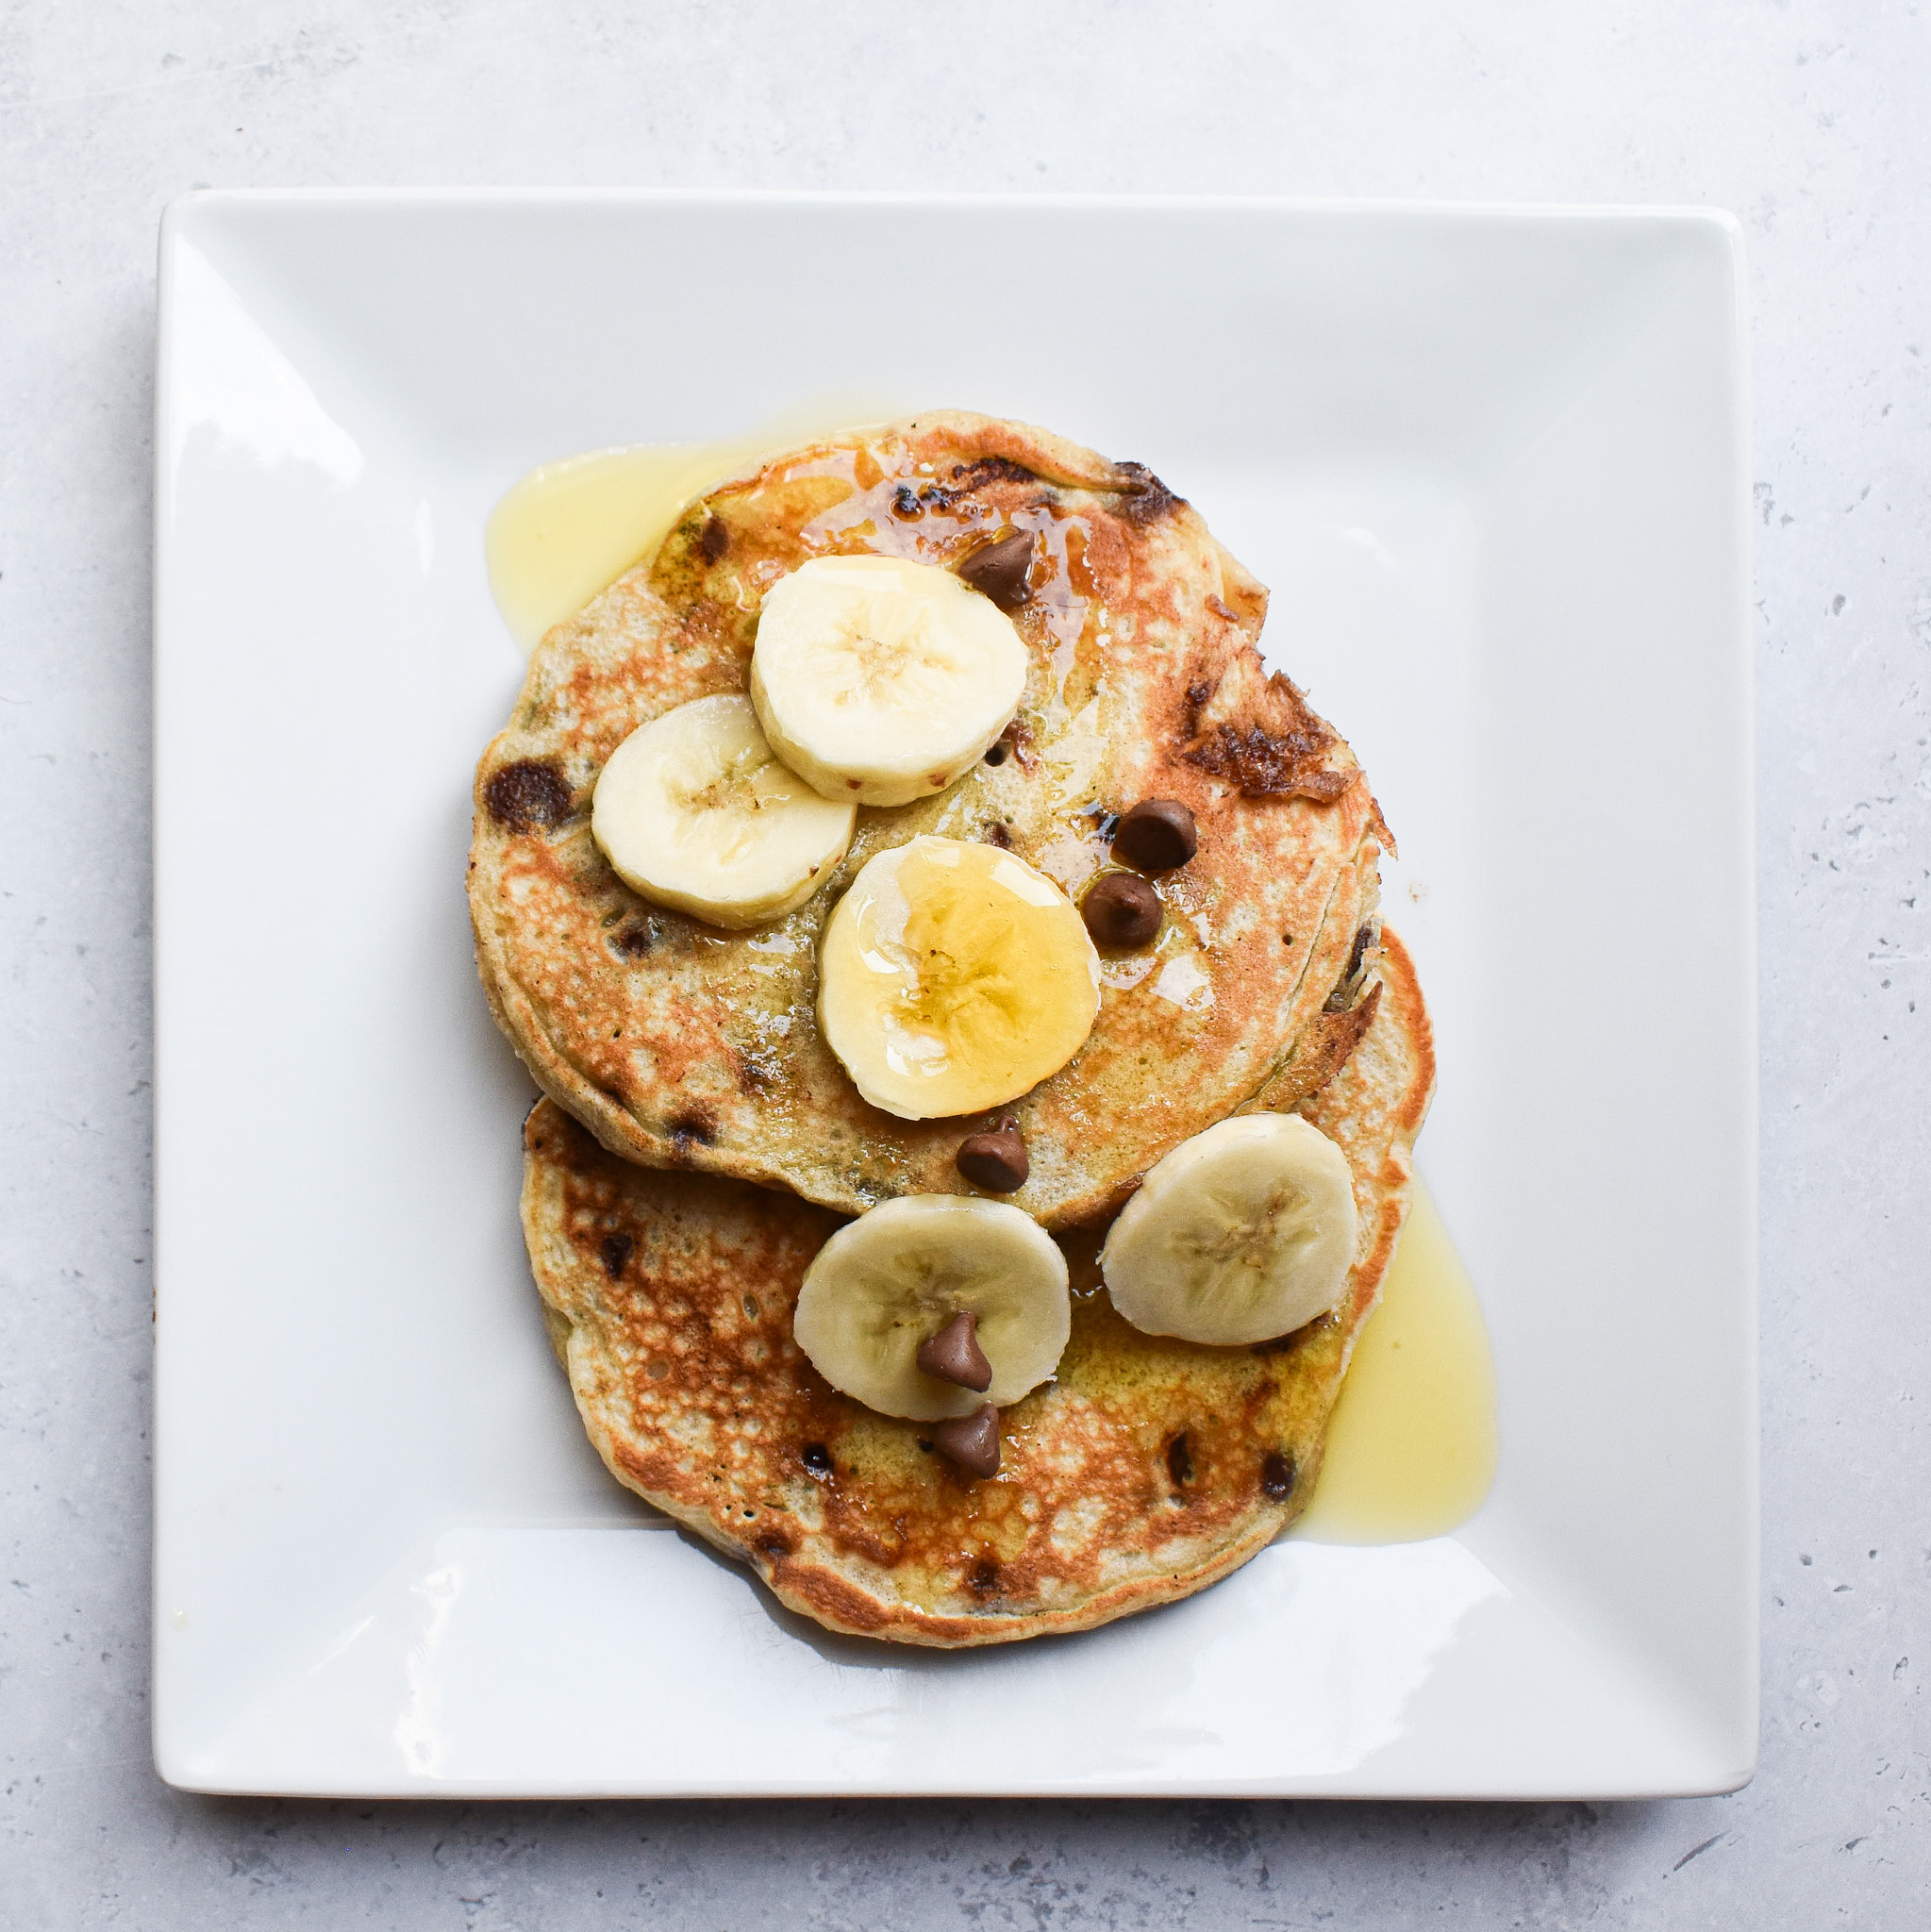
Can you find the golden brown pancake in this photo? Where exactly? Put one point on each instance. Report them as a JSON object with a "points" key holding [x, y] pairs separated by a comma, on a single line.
{"points": [[1149, 1467], [678, 1044]]}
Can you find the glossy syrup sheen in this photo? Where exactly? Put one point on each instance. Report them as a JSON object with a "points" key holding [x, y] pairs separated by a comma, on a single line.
{"points": [[1412, 1446], [1411, 1450], [569, 530]]}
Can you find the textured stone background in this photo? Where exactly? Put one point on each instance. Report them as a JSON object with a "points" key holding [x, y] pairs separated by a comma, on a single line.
{"points": [[1806, 117]]}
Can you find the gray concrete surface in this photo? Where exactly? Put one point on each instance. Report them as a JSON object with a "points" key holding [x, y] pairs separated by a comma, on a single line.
{"points": [[1804, 117]]}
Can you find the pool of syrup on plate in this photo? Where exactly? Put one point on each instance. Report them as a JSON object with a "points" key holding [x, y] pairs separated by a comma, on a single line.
{"points": [[1411, 1450]]}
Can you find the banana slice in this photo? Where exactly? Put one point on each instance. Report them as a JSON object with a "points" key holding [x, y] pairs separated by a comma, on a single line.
{"points": [[953, 977], [891, 1280], [695, 811], [1240, 1234], [880, 680]]}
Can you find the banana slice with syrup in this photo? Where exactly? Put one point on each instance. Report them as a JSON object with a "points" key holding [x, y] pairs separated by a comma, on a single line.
{"points": [[695, 811], [887, 1283], [879, 680], [953, 977], [1243, 1233]]}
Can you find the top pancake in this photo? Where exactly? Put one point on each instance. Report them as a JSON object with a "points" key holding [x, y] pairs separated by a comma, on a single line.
{"points": [[678, 1044]]}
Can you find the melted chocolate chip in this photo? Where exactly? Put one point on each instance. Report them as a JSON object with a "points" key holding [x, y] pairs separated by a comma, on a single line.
{"points": [[529, 793], [1156, 835], [1340, 999], [1001, 568], [817, 1460], [1277, 1475], [1364, 937], [616, 1252], [906, 504], [998, 752], [997, 1162], [985, 1577], [1121, 910], [971, 1442], [634, 941], [715, 539], [1180, 1460], [999, 834], [954, 1354], [1146, 498]]}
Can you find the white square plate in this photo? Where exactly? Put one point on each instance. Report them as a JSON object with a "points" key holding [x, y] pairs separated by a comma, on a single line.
{"points": [[1493, 464]]}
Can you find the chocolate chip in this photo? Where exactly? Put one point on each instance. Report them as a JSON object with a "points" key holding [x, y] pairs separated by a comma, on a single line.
{"points": [[971, 1441], [1364, 937], [1156, 835], [1000, 569], [616, 1253], [985, 1577], [634, 941], [905, 503], [529, 793], [1277, 1475], [1180, 1460], [1121, 910], [817, 1460], [715, 539], [999, 834], [997, 1162], [954, 1354], [1341, 998]]}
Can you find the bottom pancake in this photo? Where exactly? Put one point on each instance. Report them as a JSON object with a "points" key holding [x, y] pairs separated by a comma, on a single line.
{"points": [[1147, 1469]]}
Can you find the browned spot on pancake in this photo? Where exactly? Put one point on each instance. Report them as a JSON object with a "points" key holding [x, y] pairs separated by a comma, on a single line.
{"points": [[1145, 498], [528, 792], [616, 1252], [984, 470], [755, 1075], [1258, 733], [1277, 1475], [1264, 765], [1180, 1460], [716, 538]]}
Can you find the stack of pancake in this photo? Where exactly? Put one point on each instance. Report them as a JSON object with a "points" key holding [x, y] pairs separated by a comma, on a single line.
{"points": [[701, 1141]]}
